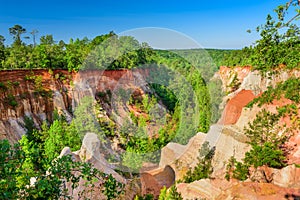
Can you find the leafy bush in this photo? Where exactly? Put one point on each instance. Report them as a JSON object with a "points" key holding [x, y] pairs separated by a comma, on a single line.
{"points": [[145, 197], [172, 194], [11, 100], [266, 146], [13, 159], [204, 166], [237, 170], [112, 188], [263, 129], [60, 135], [268, 154], [3, 86]]}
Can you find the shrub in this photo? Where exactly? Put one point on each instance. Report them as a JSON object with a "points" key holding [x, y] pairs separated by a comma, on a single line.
{"points": [[172, 194], [263, 129], [236, 170], [204, 166], [11, 100], [267, 154], [3, 86], [16, 83]]}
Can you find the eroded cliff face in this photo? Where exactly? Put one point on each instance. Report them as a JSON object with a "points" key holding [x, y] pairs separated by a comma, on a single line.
{"points": [[242, 86], [34, 94], [37, 93], [252, 84]]}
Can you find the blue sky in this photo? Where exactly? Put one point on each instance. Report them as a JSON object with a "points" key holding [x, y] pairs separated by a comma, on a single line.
{"points": [[213, 24]]}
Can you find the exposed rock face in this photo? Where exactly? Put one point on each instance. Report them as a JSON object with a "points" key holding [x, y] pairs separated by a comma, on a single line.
{"points": [[259, 191], [204, 188], [264, 182], [181, 158], [234, 107], [220, 189], [227, 141], [59, 90], [227, 76], [21, 88], [153, 180], [252, 80], [91, 152], [230, 143], [186, 156], [287, 177]]}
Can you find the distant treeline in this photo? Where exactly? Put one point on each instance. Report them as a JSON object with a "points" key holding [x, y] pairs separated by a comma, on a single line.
{"points": [[105, 51]]}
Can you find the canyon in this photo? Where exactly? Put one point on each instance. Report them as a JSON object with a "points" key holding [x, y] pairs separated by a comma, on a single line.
{"points": [[62, 91]]}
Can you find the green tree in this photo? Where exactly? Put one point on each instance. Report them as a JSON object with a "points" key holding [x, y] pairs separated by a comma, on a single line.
{"points": [[60, 135], [15, 176], [203, 169], [237, 170], [268, 154], [16, 31], [48, 54], [85, 119], [2, 51], [76, 53], [263, 129], [10, 161]]}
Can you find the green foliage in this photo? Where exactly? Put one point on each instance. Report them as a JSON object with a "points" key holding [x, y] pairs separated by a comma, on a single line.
{"points": [[216, 95], [170, 194], [48, 54], [10, 161], [133, 159], [112, 188], [206, 61], [279, 43], [85, 119], [3, 86], [60, 135], [265, 141], [263, 129], [38, 82], [268, 154], [146, 197], [16, 31], [237, 170], [165, 95], [29, 125], [163, 194], [25, 161], [203, 169], [288, 89], [11, 100], [266, 146], [237, 58], [184, 80]]}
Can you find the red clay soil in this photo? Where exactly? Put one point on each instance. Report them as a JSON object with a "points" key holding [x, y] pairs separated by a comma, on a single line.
{"points": [[234, 106], [242, 72], [154, 180]]}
